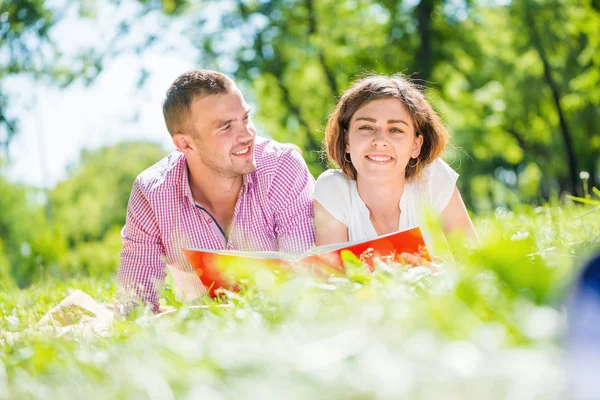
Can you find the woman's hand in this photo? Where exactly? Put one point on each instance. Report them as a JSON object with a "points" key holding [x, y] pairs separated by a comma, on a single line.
{"points": [[417, 261]]}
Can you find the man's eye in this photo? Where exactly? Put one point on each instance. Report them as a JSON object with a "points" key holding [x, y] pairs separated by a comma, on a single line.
{"points": [[226, 127]]}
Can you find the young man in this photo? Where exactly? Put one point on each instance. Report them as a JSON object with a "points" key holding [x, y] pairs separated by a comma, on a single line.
{"points": [[223, 188]]}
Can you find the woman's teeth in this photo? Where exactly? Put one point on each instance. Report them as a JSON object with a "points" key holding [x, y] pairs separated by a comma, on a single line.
{"points": [[379, 158]]}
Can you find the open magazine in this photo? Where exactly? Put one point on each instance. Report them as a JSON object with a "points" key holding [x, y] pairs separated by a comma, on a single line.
{"points": [[323, 260]]}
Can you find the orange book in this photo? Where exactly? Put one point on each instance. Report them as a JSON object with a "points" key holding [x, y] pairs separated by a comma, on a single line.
{"points": [[323, 260]]}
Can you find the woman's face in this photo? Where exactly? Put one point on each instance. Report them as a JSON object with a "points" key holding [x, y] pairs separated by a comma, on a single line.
{"points": [[382, 140]]}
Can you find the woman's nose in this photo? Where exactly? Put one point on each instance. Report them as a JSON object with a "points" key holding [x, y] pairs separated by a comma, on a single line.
{"points": [[379, 138]]}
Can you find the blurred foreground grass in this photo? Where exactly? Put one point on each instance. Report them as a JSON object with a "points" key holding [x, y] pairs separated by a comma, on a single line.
{"points": [[489, 325]]}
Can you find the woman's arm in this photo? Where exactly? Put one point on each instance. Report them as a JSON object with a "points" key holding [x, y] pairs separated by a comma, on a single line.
{"points": [[328, 229], [455, 217]]}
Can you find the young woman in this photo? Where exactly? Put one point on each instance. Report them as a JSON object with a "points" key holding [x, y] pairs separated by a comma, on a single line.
{"points": [[386, 139]]}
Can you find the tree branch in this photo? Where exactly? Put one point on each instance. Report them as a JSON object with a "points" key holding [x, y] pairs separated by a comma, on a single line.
{"points": [[525, 145]]}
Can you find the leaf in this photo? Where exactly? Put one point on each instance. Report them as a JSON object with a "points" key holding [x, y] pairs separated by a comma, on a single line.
{"points": [[355, 269], [584, 200]]}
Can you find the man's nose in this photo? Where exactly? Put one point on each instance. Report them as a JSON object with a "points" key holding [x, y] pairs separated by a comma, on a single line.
{"points": [[246, 132]]}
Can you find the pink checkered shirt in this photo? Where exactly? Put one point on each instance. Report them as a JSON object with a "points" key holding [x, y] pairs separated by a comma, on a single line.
{"points": [[273, 213]]}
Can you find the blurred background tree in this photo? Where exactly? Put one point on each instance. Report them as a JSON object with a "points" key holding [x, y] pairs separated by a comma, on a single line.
{"points": [[81, 235], [27, 49], [518, 84]]}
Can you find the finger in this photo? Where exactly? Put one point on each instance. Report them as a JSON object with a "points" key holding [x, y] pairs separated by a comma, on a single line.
{"points": [[412, 259], [417, 261]]}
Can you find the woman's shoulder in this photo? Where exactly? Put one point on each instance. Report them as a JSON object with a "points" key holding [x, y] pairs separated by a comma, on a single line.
{"points": [[438, 168], [334, 177], [333, 192], [437, 182], [331, 186]]}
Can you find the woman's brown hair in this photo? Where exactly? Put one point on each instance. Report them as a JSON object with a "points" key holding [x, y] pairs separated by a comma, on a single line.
{"points": [[373, 87]]}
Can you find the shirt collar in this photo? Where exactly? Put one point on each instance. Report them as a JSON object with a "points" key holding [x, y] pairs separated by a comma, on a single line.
{"points": [[187, 191], [248, 182]]}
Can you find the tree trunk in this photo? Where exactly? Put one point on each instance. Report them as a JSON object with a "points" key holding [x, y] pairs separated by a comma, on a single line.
{"points": [[423, 13], [564, 127]]}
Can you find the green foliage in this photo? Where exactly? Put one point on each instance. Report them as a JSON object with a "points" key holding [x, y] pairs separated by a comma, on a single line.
{"points": [[24, 24], [89, 206], [521, 106], [516, 83], [6, 279], [94, 197], [31, 246], [77, 231], [297, 336], [356, 271]]}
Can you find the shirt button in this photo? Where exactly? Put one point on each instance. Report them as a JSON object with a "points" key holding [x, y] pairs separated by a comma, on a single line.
{"points": [[209, 221]]}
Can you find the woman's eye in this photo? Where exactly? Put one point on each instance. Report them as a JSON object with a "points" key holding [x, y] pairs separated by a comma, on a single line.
{"points": [[365, 128], [396, 130]]}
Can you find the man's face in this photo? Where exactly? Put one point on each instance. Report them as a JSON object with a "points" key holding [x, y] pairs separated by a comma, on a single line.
{"points": [[223, 134]]}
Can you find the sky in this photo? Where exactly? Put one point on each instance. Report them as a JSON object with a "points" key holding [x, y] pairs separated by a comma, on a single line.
{"points": [[55, 124]]}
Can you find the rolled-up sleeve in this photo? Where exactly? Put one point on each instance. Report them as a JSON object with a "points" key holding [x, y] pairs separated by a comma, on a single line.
{"points": [[290, 196], [142, 269]]}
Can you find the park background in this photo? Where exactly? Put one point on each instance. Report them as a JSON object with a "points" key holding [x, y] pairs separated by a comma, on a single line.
{"points": [[516, 82]]}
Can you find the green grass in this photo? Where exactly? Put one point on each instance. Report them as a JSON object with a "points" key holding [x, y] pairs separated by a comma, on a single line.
{"points": [[488, 326]]}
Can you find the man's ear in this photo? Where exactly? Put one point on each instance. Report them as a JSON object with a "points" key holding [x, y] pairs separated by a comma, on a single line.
{"points": [[183, 143], [416, 150]]}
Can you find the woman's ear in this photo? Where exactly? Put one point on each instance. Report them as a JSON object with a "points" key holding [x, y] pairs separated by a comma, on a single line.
{"points": [[418, 143]]}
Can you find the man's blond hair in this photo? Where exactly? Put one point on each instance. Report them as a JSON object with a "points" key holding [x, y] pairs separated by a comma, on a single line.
{"points": [[185, 89]]}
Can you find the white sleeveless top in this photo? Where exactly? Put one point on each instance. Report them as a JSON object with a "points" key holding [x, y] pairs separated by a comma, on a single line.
{"points": [[338, 194]]}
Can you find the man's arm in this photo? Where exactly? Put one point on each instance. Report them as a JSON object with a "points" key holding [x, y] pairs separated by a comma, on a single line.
{"points": [[290, 196], [141, 268]]}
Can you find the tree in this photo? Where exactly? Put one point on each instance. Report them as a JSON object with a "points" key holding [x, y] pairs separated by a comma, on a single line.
{"points": [[516, 83], [29, 245], [89, 207], [93, 198], [298, 57], [22, 22], [88, 213], [27, 46], [527, 98]]}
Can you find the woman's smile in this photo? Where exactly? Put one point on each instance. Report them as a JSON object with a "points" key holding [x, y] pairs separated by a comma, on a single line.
{"points": [[379, 158]]}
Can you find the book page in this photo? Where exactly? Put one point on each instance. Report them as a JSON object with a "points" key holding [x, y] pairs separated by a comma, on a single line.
{"points": [[270, 255]]}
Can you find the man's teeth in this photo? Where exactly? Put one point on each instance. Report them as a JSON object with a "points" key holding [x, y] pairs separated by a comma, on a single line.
{"points": [[239, 153], [380, 158]]}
